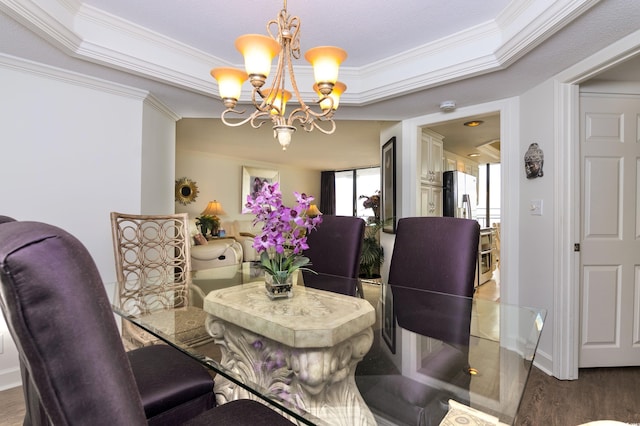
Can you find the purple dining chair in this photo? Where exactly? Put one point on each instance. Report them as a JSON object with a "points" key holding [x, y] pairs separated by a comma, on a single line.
{"points": [[335, 247], [73, 363]]}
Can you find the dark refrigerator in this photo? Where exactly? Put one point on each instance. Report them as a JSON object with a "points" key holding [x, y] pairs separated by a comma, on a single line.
{"points": [[460, 195]]}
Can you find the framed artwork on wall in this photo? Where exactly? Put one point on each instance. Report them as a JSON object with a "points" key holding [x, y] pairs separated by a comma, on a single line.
{"points": [[253, 179], [388, 162]]}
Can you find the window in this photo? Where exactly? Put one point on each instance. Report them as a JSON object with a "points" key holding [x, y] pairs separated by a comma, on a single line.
{"points": [[350, 185], [488, 210]]}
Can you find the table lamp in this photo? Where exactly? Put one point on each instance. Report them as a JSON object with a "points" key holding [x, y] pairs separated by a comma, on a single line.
{"points": [[213, 209], [313, 211]]}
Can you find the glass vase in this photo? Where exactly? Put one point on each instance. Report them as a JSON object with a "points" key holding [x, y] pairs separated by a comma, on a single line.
{"points": [[278, 286]]}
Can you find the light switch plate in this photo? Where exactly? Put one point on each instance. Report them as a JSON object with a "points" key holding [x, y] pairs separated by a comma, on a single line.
{"points": [[535, 207]]}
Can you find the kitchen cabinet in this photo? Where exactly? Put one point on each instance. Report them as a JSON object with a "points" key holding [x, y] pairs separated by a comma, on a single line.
{"points": [[431, 200], [431, 157]]}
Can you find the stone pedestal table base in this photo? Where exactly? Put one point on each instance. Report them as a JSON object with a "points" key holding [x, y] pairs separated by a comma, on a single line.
{"points": [[302, 350]]}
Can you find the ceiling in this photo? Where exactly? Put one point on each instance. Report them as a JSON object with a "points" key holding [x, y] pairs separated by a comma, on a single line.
{"points": [[405, 57]]}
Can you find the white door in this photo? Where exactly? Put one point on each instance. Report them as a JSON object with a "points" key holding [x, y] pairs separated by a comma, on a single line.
{"points": [[610, 231]]}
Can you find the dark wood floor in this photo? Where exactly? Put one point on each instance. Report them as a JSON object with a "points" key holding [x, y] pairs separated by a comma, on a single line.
{"points": [[598, 394]]}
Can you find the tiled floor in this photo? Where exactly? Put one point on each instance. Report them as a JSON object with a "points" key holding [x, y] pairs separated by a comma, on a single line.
{"points": [[491, 289]]}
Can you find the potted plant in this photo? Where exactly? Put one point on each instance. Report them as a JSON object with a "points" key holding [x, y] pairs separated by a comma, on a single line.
{"points": [[283, 236], [372, 252], [208, 224]]}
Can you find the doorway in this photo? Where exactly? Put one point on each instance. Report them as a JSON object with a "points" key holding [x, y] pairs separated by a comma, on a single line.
{"points": [[508, 112], [471, 145]]}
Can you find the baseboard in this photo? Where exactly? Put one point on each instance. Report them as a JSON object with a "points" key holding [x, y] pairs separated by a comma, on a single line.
{"points": [[544, 362], [10, 378]]}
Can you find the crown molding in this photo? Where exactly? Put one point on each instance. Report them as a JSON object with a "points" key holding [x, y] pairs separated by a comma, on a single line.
{"points": [[91, 34], [70, 77]]}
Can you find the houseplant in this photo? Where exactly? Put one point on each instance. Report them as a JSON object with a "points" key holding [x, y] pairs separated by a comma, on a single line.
{"points": [[372, 252], [283, 236], [208, 224]]}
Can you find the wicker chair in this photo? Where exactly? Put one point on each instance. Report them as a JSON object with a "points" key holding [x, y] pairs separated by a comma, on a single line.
{"points": [[153, 266]]}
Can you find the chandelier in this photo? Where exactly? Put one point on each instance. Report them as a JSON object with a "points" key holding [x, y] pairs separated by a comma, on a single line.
{"points": [[270, 100]]}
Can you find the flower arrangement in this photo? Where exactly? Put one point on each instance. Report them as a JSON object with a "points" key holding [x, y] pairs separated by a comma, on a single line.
{"points": [[284, 231], [372, 202]]}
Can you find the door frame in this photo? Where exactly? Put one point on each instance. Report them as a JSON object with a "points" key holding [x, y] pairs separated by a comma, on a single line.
{"points": [[566, 309]]}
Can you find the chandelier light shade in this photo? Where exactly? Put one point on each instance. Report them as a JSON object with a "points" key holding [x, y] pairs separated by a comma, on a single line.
{"points": [[269, 99], [338, 90], [258, 51], [326, 62], [230, 84]]}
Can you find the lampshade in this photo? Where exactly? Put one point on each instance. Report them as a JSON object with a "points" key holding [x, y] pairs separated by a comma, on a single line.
{"points": [[313, 211], [338, 89], [258, 51], [229, 81], [326, 62], [278, 100], [214, 208]]}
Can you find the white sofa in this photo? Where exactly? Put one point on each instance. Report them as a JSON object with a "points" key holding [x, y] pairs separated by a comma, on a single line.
{"points": [[244, 233], [215, 253]]}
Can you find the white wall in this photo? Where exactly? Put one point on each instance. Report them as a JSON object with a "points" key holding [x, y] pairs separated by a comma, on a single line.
{"points": [[220, 178], [71, 152], [536, 253], [158, 158]]}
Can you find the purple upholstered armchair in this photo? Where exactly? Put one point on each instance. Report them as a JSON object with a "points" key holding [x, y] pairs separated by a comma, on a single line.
{"points": [[334, 249], [73, 363]]}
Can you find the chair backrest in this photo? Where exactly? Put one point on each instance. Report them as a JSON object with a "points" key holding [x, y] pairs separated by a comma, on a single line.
{"points": [[438, 254], [60, 318], [335, 247], [155, 250], [6, 219]]}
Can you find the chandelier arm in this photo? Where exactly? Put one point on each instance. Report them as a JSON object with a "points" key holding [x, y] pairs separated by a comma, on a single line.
{"points": [[258, 115], [250, 119], [310, 125], [234, 111]]}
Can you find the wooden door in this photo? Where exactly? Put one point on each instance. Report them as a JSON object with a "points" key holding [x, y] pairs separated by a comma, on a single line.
{"points": [[610, 231]]}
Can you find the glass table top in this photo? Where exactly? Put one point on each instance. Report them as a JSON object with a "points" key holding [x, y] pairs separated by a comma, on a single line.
{"points": [[428, 347]]}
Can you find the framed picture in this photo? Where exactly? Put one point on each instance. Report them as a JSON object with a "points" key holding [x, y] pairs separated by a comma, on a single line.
{"points": [[388, 318], [389, 186], [253, 179]]}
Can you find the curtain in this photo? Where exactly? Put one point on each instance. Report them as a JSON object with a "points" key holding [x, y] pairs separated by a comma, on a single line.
{"points": [[328, 193]]}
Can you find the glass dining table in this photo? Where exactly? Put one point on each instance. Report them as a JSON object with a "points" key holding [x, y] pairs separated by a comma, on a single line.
{"points": [[323, 358]]}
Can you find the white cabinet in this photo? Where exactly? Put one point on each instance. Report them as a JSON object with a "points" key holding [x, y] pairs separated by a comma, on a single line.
{"points": [[431, 158], [431, 200], [486, 255]]}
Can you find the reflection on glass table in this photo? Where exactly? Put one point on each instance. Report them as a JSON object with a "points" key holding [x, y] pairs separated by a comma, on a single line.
{"points": [[478, 353]]}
